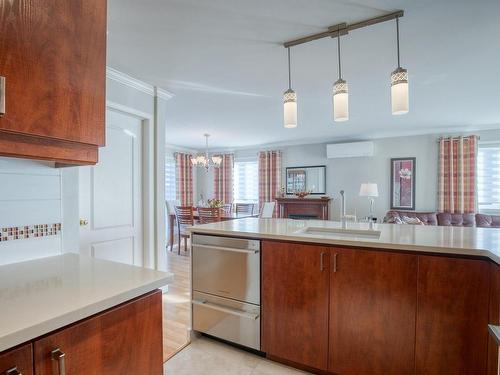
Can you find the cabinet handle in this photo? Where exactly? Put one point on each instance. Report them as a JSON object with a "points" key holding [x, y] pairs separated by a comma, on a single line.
{"points": [[2, 96], [12, 371], [321, 264], [58, 355], [335, 262]]}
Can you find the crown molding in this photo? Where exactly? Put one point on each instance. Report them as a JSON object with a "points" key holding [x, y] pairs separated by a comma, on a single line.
{"points": [[433, 132], [163, 94], [176, 148], [130, 81]]}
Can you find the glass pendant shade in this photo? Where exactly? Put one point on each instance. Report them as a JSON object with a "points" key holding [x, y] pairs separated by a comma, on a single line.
{"points": [[217, 160], [340, 101], [290, 109], [399, 92]]}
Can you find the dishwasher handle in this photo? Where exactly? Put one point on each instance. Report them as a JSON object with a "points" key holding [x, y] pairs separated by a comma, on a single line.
{"points": [[228, 310], [223, 248]]}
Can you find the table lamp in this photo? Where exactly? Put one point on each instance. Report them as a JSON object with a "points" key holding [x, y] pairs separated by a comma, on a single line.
{"points": [[370, 190]]}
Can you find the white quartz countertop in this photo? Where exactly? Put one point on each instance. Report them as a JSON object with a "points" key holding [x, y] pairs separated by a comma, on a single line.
{"points": [[470, 241], [40, 296]]}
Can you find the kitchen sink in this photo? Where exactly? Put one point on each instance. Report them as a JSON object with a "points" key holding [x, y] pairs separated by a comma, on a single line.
{"points": [[341, 232]]}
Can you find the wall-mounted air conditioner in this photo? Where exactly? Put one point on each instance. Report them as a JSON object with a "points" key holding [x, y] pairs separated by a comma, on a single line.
{"points": [[350, 150]]}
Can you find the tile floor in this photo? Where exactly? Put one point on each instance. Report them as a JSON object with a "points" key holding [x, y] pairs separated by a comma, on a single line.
{"points": [[209, 357]]}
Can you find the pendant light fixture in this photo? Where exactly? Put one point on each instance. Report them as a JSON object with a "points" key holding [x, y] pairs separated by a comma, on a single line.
{"points": [[399, 85], [340, 92], [289, 101]]}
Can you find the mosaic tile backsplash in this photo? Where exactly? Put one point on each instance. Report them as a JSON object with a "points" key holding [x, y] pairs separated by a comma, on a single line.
{"points": [[29, 231]]}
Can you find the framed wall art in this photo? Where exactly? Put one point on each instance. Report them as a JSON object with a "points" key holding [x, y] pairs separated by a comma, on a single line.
{"points": [[403, 176]]}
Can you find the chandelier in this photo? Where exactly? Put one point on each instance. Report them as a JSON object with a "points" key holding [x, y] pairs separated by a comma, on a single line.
{"points": [[204, 160]]}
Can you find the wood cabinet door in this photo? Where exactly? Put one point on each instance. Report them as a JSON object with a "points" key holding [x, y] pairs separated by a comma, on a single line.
{"points": [[295, 303], [53, 57], [452, 316], [20, 358], [372, 312], [493, 347], [123, 340]]}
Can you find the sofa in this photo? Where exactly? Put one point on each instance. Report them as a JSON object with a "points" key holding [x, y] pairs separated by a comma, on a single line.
{"points": [[445, 219]]}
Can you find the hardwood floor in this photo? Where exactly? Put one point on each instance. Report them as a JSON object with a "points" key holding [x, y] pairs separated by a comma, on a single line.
{"points": [[176, 304]]}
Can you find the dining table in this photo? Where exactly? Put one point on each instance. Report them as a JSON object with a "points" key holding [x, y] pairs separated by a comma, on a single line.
{"points": [[224, 216]]}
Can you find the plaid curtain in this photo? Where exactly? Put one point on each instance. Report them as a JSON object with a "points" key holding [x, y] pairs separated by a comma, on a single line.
{"points": [[184, 179], [223, 179], [457, 174], [269, 176]]}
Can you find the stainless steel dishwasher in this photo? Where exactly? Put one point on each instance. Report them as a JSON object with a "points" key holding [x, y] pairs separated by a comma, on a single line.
{"points": [[226, 288]]}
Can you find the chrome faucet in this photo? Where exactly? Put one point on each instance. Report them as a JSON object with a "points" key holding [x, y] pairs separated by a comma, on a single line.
{"points": [[342, 209]]}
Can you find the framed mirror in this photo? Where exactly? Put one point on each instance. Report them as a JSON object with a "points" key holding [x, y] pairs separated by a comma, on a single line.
{"points": [[312, 179]]}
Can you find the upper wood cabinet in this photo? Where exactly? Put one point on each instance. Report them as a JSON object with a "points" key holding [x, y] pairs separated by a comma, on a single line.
{"points": [[295, 295], [20, 359], [372, 312], [53, 58], [123, 340], [452, 316]]}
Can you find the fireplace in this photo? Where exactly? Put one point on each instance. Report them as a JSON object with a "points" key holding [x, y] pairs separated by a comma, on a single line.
{"points": [[304, 209], [303, 217]]}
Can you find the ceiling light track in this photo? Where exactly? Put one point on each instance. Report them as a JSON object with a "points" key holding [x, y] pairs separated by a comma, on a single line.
{"points": [[343, 29]]}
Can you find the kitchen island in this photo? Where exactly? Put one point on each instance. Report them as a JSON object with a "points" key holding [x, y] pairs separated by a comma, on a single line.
{"points": [[79, 315], [392, 299]]}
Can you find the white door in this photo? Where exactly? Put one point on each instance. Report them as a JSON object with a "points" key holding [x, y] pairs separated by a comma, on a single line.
{"points": [[111, 196]]}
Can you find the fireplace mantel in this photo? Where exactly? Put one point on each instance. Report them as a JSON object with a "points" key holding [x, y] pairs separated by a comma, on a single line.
{"points": [[304, 208]]}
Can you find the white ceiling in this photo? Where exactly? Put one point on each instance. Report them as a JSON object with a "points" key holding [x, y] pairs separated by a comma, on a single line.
{"points": [[224, 61]]}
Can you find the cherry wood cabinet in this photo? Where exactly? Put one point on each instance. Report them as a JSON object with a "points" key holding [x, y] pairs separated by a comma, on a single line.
{"points": [[373, 303], [124, 340], [452, 316], [349, 311], [493, 349], [20, 358], [54, 63], [295, 294]]}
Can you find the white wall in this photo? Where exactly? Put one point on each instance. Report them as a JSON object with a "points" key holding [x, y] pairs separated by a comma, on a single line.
{"points": [[30, 193], [33, 192], [348, 174]]}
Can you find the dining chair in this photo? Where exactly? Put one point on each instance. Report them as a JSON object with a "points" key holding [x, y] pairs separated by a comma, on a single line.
{"points": [[208, 215], [184, 218], [244, 208], [267, 210], [227, 208], [170, 206]]}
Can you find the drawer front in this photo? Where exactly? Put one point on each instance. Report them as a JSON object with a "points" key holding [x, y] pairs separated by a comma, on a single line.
{"points": [[226, 319], [124, 340], [228, 268], [20, 359]]}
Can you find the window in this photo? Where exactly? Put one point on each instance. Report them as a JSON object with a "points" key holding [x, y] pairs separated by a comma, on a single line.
{"points": [[170, 188], [246, 181], [488, 178]]}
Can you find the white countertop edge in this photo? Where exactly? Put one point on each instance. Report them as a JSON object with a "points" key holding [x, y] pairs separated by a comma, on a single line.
{"points": [[359, 243], [32, 332]]}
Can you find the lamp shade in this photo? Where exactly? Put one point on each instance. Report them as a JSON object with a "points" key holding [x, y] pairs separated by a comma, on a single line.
{"points": [[368, 189], [290, 109], [399, 92], [340, 101]]}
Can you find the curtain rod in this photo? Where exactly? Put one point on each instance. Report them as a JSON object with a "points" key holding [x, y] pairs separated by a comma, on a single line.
{"points": [[458, 137]]}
